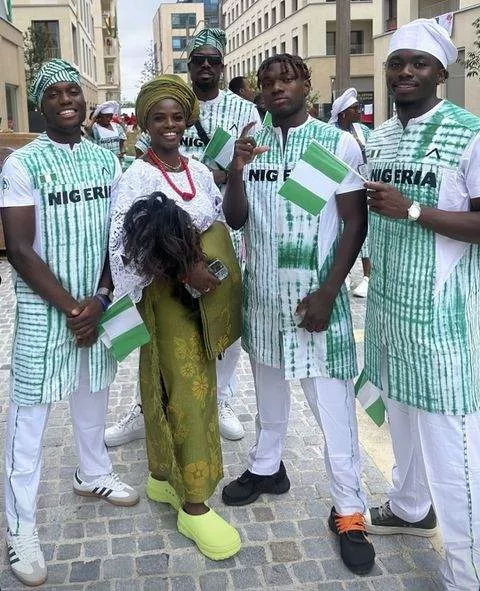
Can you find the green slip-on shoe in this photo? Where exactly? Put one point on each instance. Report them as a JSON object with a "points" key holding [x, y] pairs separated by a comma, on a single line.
{"points": [[162, 491], [214, 537]]}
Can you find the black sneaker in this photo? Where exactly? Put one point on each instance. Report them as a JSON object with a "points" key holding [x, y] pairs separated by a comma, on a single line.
{"points": [[248, 487], [382, 521], [356, 550]]}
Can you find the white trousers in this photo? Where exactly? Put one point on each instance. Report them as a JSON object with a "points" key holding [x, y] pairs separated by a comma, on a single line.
{"points": [[23, 447], [437, 461], [227, 372], [332, 402]]}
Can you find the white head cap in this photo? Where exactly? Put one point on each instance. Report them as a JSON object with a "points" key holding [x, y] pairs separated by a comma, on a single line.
{"points": [[108, 108], [426, 35], [345, 100]]}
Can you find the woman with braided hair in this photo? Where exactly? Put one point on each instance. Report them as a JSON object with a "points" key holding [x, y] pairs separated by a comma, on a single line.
{"points": [[165, 230]]}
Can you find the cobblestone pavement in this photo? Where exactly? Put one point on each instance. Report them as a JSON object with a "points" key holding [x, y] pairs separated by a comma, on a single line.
{"points": [[92, 545]]}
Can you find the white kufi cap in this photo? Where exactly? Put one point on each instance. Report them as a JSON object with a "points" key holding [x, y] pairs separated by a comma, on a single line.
{"points": [[108, 108], [345, 100], [425, 34]]}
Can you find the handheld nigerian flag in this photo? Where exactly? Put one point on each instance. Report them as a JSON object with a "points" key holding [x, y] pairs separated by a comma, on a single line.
{"points": [[122, 329], [370, 398], [220, 148], [314, 179], [267, 120]]}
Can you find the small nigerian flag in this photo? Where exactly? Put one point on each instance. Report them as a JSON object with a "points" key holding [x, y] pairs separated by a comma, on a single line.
{"points": [[220, 148], [267, 120], [314, 179], [122, 329], [370, 398]]}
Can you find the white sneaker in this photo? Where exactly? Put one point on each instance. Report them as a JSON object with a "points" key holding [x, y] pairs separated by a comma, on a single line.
{"points": [[26, 558], [230, 426], [128, 428], [108, 487], [361, 290]]}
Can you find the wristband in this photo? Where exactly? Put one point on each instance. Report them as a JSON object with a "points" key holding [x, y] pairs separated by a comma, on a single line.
{"points": [[104, 291], [104, 301]]}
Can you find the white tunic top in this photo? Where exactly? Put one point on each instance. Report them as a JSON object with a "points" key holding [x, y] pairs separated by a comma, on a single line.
{"points": [[143, 179]]}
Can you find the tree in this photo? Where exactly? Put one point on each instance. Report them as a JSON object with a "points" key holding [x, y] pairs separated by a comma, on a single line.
{"points": [[38, 45], [472, 62], [150, 69]]}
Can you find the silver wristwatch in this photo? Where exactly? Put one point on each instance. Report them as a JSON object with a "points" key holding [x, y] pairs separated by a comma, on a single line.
{"points": [[105, 292], [414, 211]]}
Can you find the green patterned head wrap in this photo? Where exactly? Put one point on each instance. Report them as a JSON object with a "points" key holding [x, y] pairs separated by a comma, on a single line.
{"points": [[52, 72], [214, 37], [167, 86]]}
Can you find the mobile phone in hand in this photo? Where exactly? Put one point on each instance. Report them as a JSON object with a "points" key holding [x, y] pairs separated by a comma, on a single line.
{"points": [[216, 268]]}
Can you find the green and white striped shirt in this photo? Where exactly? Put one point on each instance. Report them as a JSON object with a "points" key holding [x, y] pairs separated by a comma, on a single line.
{"points": [[424, 294], [71, 191], [230, 112], [289, 254]]}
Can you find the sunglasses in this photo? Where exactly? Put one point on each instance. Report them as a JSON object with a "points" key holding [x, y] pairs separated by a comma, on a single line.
{"points": [[198, 59]]}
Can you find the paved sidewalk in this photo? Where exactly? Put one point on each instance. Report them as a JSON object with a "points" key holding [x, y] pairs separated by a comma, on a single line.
{"points": [[92, 545]]}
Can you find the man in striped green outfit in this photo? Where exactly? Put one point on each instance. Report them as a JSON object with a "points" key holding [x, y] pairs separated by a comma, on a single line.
{"points": [[55, 201], [218, 108], [297, 262], [423, 323]]}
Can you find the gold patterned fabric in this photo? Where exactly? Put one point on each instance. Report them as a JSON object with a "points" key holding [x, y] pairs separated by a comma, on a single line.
{"points": [[221, 310], [179, 400]]}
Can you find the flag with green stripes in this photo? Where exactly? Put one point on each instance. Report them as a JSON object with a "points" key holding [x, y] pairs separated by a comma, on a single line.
{"points": [[220, 148], [370, 398], [314, 179], [267, 120], [122, 329]]}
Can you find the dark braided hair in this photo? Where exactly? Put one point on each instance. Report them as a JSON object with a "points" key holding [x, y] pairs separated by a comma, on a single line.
{"points": [[160, 240], [295, 62]]}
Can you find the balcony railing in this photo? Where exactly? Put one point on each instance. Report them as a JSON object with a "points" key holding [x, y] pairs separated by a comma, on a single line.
{"points": [[355, 49], [52, 52], [391, 23], [432, 10]]}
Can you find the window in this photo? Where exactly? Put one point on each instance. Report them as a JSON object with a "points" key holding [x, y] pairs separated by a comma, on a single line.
{"points": [[295, 45], [274, 50], [180, 66], [282, 10], [243, 36], [283, 47], [294, 5], [259, 59], [274, 16], [267, 53], [253, 30], [75, 44], [179, 43], [184, 21], [265, 21], [254, 63], [248, 65], [356, 42], [48, 36], [259, 25], [248, 33]]}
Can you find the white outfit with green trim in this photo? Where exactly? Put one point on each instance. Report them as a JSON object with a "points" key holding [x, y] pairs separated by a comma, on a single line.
{"points": [[422, 330], [70, 190], [232, 113], [289, 254]]}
